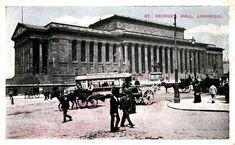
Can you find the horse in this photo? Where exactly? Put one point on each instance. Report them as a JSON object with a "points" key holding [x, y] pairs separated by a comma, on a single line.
{"points": [[167, 85], [58, 92]]}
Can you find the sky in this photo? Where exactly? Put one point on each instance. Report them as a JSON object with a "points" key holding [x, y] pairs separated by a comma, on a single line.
{"points": [[211, 30]]}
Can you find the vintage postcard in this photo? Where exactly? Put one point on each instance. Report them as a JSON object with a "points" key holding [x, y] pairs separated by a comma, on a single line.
{"points": [[127, 73]]}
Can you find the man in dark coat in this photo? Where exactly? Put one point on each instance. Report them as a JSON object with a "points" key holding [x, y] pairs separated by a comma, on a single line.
{"points": [[65, 107], [114, 103], [197, 92], [126, 89], [226, 92], [125, 105]]}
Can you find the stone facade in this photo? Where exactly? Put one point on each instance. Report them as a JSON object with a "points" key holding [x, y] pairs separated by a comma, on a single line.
{"points": [[56, 53]]}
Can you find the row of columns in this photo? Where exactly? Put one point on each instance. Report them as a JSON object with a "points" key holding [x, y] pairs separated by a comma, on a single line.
{"points": [[25, 58], [189, 60]]}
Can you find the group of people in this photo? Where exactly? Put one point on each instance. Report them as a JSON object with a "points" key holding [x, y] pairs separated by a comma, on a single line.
{"points": [[120, 99], [212, 91], [124, 100], [197, 92]]}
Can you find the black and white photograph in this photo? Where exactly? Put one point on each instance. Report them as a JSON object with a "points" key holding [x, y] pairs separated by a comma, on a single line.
{"points": [[129, 72]]}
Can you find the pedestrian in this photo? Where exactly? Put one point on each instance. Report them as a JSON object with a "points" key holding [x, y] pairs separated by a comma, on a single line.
{"points": [[126, 90], [137, 82], [213, 92], [11, 98], [114, 104], [226, 92], [197, 92], [125, 105], [65, 107]]}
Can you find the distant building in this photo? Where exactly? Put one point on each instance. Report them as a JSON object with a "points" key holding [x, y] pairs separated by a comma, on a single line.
{"points": [[226, 66], [56, 53]]}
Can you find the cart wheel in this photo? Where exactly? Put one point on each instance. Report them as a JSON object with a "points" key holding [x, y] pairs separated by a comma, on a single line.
{"points": [[93, 102], [138, 101], [82, 103], [181, 90], [60, 106], [148, 97], [187, 89]]}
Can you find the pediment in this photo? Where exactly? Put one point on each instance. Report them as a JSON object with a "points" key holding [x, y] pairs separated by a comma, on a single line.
{"points": [[19, 30]]}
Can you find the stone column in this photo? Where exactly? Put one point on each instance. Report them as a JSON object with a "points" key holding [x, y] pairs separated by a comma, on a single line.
{"points": [[31, 59], [133, 57], [146, 58], [151, 56], [211, 56], [193, 65], [111, 56], [183, 59], [188, 61], [140, 58], [163, 60], [120, 57], [204, 61], [87, 44], [179, 62], [40, 57], [79, 66], [200, 61], [212, 60], [126, 57], [158, 54], [221, 63], [169, 61], [103, 57], [96, 57], [22, 64], [197, 62]]}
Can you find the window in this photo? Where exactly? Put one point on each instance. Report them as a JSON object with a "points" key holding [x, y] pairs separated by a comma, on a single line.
{"points": [[83, 51], [91, 51], [74, 50], [99, 52]]}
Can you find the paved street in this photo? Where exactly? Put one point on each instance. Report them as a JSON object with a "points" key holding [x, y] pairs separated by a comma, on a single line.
{"points": [[36, 118]]}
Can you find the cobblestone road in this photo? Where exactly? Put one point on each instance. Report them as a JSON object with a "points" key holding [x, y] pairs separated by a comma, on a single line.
{"points": [[36, 118]]}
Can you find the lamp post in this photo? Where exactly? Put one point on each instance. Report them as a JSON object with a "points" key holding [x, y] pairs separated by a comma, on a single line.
{"points": [[193, 43], [176, 88]]}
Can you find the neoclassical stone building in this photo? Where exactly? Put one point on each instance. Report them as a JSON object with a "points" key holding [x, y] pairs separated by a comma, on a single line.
{"points": [[56, 53]]}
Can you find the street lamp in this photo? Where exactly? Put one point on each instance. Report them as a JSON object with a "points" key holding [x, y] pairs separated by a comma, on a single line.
{"points": [[176, 88], [193, 41]]}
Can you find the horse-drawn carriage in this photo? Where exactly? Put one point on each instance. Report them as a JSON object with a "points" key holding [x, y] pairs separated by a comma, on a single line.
{"points": [[81, 97], [142, 97], [92, 88], [184, 85]]}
